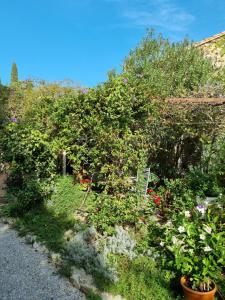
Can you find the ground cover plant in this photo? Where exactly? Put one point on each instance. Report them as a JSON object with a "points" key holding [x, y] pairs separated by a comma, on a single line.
{"points": [[50, 220], [110, 134]]}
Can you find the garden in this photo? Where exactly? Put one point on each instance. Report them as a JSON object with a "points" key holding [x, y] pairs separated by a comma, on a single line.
{"points": [[121, 180]]}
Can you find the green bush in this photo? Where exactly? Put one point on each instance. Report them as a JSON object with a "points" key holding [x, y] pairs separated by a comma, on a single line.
{"points": [[30, 194], [193, 246], [140, 280], [50, 220], [106, 211], [108, 129], [203, 183], [177, 195]]}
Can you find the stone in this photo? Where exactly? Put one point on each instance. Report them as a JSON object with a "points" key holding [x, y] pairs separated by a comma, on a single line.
{"points": [[30, 238], [43, 249], [10, 221], [107, 296], [68, 235], [36, 246], [56, 259], [81, 280], [79, 217], [75, 282]]}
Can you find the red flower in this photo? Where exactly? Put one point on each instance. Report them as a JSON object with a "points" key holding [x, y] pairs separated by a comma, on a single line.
{"points": [[157, 200], [149, 191], [85, 181]]}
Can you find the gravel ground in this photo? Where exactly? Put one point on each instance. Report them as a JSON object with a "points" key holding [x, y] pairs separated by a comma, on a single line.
{"points": [[27, 275]]}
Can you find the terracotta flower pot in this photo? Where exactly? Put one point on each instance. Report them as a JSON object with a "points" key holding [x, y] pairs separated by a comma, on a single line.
{"points": [[195, 295]]}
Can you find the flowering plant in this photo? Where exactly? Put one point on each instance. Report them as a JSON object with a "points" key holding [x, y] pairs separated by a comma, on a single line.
{"points": [[85, 183], [193, 244], [154, 197]]}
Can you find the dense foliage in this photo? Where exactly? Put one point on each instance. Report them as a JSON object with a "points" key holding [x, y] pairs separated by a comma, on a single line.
{"points": [[4, 95], [113, 130], [110, 134], [193, 245]]}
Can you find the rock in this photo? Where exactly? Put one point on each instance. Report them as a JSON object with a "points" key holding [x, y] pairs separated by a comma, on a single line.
{"points": [[107, 296], [43, 249], [36, 246], [75, 282], [4, 220], [81, 280], [30, 238], [68, 235], [11, 221], [56, 259], [80, 217]]}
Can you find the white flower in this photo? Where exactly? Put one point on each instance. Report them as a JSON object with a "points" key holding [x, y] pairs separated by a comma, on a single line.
{"points": [[162, 244], [191, 251], [187, 214], [207, 229], [181, 229], [169, 224], [202, 237], [174, 240], [207, 249]]}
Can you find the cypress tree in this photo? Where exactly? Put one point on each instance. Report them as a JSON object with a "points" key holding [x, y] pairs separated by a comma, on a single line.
{"points": [[14, 74]]}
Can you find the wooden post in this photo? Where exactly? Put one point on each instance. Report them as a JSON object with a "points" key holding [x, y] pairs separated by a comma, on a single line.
{"points": [[64, 163]]}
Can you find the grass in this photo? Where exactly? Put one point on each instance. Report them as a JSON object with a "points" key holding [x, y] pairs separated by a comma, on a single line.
{"points": [[92, 296], [51, 220], [139, 280], [68, 197]]}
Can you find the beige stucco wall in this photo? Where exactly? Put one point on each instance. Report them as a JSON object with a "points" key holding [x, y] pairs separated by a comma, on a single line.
{"points": [[215, 50]]}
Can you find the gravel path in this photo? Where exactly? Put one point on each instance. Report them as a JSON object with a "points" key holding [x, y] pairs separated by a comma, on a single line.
{"points": [[27, 275]]}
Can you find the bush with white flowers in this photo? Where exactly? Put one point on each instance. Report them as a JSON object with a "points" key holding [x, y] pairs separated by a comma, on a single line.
{"points": [[193, 245]]}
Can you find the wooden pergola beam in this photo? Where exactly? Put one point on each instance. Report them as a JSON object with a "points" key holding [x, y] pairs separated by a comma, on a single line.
{"points": [[197, 101]]}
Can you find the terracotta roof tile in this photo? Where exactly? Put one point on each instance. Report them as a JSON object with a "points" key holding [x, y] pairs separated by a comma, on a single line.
{"points": [[210, 39]]}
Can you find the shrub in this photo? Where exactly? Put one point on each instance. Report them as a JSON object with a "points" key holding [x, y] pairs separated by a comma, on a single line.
{"points": [[83, 251], [177, 195], [203, 183], [30, 194], [192, 245], [140, 279], [106, 211]]}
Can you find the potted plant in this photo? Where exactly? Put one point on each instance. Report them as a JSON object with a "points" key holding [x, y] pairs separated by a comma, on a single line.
{"points": [[193, 245]]}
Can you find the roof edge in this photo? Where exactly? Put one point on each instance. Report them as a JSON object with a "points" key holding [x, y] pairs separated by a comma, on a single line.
{"points": [[210, 39]]}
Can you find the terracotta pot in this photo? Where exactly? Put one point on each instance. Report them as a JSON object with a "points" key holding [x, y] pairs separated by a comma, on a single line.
{"points": [[194, 295]]}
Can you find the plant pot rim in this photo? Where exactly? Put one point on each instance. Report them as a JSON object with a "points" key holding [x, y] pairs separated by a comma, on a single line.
{"points": [[185, 287]]}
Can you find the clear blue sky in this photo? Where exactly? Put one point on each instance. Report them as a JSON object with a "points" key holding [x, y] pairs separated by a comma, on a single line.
{"points": [[84, 39]]}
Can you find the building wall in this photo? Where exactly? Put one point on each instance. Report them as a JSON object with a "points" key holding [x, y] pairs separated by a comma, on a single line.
{"points": [[215, 50]]}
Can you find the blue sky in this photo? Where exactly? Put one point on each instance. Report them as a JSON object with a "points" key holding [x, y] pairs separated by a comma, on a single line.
{"points": [[83, 39]]}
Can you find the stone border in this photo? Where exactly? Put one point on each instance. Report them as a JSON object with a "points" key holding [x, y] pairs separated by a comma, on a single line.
{"points": [[78, 279]]}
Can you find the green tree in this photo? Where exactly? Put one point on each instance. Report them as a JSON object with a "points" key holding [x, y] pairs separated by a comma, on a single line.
{"points": [[14, 74], [164, 69], [4, 95]]}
